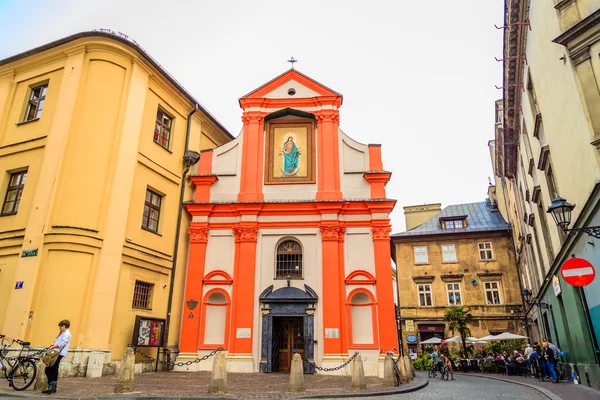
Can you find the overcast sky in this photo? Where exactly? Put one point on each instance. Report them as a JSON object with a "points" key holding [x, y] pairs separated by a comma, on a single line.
{"points": [[417, 76]]}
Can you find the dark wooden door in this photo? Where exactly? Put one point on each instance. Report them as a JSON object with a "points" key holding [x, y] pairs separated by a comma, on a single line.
{"points": [[291, 337]]}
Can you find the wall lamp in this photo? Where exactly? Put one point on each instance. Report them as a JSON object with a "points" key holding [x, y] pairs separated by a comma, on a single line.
{"points": [[561, 210], [526, 293]]}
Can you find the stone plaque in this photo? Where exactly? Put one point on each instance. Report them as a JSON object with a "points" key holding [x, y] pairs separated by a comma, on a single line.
{"points": [[408, 312], [243, 333], [410, 325], [332, 333]]}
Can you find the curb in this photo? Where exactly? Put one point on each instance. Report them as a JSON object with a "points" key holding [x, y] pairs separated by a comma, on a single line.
{"points": [[545, 392], [424, 382]]}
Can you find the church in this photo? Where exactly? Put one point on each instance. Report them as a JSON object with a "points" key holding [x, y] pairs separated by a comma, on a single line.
{"points": [[289, 239]]}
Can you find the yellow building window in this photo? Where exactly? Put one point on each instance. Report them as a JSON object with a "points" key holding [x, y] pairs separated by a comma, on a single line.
{"points": [[142, 295], [492, 292], [449, 253], [425, 295], [36, 103], [454, 297], [14, 193], [421, 254], [485, 251], [151, 211], [162, 129]]}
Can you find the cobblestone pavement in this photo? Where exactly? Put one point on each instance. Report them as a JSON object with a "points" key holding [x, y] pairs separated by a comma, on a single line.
{"points": [[563, 389], [247, 386], [468, 387]]}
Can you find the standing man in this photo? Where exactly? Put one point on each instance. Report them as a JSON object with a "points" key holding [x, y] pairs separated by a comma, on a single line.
{"points": [[551, 361]]}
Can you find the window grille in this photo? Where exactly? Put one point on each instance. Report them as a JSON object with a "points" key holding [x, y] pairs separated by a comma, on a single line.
{"points": [[289, 259], [141, 295]]}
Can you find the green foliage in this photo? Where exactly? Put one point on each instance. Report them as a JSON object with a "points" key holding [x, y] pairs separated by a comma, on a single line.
{"points": [[507, 345], [423, 363], [458, 319]]}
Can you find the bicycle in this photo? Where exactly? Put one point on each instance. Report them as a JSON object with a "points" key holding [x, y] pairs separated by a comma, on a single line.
{"points": [[397, 379], [433, 370], [20, 368]]}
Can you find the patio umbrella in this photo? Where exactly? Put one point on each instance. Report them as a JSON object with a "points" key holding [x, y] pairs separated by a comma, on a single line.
{"points": [[487, 338], [454, 339], [509, 336], [433, 340]]}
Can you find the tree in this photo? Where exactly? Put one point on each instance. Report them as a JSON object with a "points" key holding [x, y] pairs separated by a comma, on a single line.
{"points": [[458, 319]]}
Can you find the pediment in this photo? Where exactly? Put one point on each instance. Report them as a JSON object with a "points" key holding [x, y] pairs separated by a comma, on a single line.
{"points": [[289, 295], [304, 86]]}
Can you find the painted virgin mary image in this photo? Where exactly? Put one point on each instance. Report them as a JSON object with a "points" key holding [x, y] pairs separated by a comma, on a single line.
{"points": [[291, 155]]}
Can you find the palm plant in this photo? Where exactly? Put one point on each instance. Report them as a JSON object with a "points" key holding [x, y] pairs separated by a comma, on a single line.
{"points": [[458, 319]]}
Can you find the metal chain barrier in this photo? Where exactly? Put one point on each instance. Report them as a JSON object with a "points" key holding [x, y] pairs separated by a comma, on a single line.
{"points": [[327, 369], [179, 364]]}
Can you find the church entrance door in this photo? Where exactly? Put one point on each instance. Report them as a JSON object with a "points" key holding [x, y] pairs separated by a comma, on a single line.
{"points": [[288, 335]]}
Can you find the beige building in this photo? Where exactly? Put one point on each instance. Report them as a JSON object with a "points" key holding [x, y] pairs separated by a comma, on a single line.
{"points": [[545, 151], [95, 141], [461, 255]]}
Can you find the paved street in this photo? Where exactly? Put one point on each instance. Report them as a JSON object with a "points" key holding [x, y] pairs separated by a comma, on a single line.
{"points": [[467, 387]]}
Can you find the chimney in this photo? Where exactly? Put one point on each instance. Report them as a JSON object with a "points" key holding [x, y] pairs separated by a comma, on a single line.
{"points": [[416, 215]]}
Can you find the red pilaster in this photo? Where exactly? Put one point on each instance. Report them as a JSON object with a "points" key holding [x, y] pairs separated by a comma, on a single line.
{"points": [[375, 163], [332, 295], [190, 330], [252, 157], [243, 286], [377, 180], [342, 299], [328, 160], [385, 294]]}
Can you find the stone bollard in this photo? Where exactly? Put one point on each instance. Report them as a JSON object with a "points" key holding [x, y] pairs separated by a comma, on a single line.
{"points": [[412, 367], [358, 374], [41, 382], [407, 364], [297, 375], [218, 376], [403, 371], [126, 371], [388, 372]]}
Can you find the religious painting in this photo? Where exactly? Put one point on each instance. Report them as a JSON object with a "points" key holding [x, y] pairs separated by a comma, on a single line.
{"points": [[290, 152]]}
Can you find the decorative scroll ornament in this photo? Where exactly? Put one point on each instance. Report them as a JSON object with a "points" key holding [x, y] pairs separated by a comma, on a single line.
{"points": [[328, 117], [198, 235], [381, 232], [332, 232], [245, 234]]}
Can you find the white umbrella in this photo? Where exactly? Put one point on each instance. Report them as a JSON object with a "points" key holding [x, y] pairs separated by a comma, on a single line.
{"points": [[487, 338], [433, 340], [454, 339], [509, 336]]}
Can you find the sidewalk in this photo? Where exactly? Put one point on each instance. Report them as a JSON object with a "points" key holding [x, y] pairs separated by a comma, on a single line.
{"points": [[563, 390], [186, 384]]}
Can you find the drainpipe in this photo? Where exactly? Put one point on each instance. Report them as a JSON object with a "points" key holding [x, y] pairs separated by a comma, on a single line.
{"points": [[189, 158]]}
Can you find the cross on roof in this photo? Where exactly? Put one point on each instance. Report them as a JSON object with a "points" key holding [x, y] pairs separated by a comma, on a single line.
{"points": [[292, 61]]}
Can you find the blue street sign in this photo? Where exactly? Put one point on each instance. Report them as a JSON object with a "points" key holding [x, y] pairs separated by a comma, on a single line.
{"points": [[19, 285]]}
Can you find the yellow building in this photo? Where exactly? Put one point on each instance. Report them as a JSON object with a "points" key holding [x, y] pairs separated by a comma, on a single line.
{"points": [[93, 132], [545, 152], [461, 255]]}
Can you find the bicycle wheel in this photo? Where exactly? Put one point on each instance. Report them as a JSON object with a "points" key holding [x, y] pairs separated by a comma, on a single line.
{"points": [[397, 375], [431, 373], [446, 374], [23, 374]]}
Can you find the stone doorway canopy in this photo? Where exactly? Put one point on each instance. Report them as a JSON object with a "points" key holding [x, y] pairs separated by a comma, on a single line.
{"points": [[287, 302]]}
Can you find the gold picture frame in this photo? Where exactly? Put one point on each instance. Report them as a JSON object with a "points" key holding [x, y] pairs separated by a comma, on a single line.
{"points": [[290, 151]]}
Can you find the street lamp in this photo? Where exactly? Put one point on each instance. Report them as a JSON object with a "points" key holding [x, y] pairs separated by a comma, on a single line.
{"points": [[561, 209]]}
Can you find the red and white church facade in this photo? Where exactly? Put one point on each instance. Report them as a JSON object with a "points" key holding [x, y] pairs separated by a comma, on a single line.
{"points": [[289, 239]]}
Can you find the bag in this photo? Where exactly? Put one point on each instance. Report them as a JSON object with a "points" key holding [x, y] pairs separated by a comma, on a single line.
{"points": [[50, 357]]}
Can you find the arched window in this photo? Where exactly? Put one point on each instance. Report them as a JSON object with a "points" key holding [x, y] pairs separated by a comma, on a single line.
{"points": [[215, 319], [288, 259], [362, 318]]}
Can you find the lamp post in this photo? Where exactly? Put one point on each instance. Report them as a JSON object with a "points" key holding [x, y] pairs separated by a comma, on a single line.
{"points": [[526, 293], [561, 211]]}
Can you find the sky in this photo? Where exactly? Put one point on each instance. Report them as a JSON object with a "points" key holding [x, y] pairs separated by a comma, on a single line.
{"points": [[417, 76]]}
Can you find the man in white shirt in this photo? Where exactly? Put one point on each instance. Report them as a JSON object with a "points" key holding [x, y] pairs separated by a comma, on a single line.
{"points": [[528, 351], [61, 342]]}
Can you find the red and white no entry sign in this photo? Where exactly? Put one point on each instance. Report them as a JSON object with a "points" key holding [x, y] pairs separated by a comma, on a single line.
{"points": [[578, 272]]}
